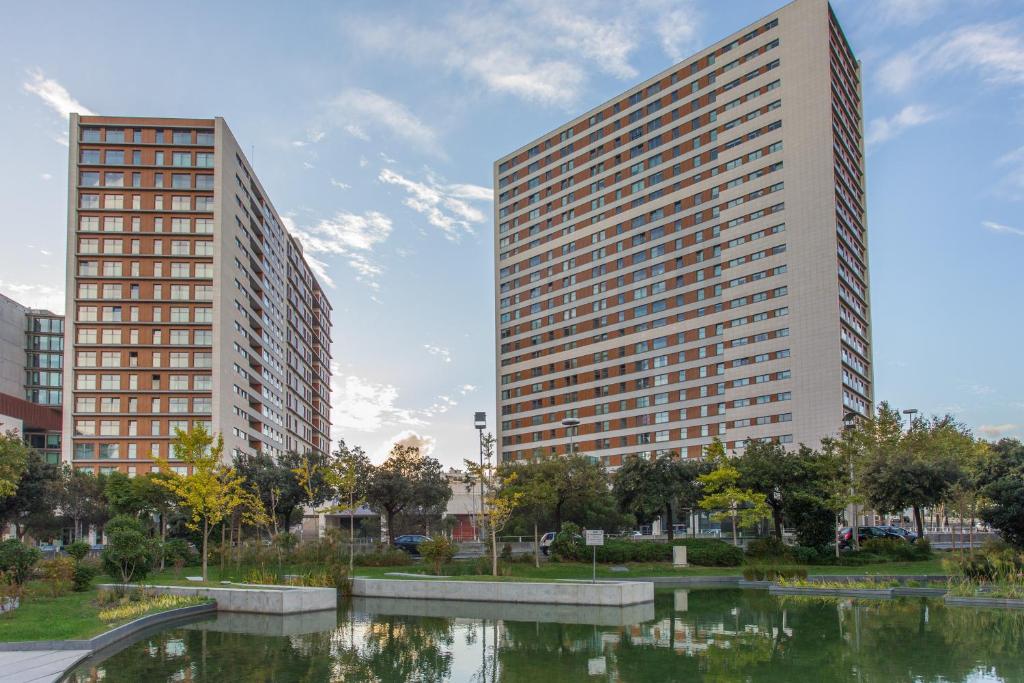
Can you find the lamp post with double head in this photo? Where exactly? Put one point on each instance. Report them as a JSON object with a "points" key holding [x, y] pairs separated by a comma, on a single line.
{"points": [[570, 424]]}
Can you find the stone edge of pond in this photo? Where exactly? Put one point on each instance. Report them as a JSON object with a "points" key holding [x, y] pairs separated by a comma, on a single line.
{"points": [[602, 593], [256, 598], [113, 635], [964, 601]]}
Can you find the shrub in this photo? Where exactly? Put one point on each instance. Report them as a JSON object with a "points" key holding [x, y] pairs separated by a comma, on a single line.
{"points": [[261, 576], [176, 549], [78, 550], [129, 553], [286, 541], [506, 552], [710, 552], [383, 558], [563, 547], [17, 560], [802, 554], [767, 548], [773, 572], [438, 550], [58, 574], [85, 571]]}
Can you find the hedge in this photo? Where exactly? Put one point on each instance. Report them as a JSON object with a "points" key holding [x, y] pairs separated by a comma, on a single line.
{"points": [[705, 552]]}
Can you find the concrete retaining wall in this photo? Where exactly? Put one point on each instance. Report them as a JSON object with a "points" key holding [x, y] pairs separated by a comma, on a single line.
{"points": [[600, 615], [257, 599], [563, 593], [983, 602], [833, 592]]}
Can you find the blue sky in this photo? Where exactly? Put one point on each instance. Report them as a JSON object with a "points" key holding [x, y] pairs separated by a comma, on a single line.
{"points": [[374, 127]]}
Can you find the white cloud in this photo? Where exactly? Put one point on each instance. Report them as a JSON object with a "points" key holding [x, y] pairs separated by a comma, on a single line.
{"points": [[439, 351], [995, 52], [356, 110], [911, 116], [340, 185], [361, 405], [677, 31], [54, 94], [980, 389], [357, 131], [352, 236], [467, 389], [408, 437], [996, 431], [445, 206], [34, 296], [903, 12], [46, 176], [537, 50], [999, 227]]}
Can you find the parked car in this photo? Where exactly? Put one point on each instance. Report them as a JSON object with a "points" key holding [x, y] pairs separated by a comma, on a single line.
{"points": [[905, 534], [545, 542], [410, 543], [845, 535]]}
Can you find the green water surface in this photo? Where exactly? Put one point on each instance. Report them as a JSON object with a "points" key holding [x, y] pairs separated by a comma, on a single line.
{"points": [[688, 635]]}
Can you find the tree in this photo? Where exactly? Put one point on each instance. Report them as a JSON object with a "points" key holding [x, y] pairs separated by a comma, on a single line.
{"points": [[1003, 487], [284, 485], [766, 468], [648, 487], [723, 495], [14, 454], [537, 496], [500, 497], [211, 491], [31, 507], [346, 473], [911, 470], [129, 552], [81, 499], [406, 480], [580, 484]]}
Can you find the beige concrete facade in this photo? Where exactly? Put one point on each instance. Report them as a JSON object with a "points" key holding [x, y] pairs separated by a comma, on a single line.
{"points": [[689, 259], [187, 300]]}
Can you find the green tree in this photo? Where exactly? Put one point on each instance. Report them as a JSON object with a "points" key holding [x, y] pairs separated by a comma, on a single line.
{"points": [[647, 488], [406, 480], [17, 560], [81, 499], [723, 495], [537, 496], [500, 497], [129, 553], [912, 470], [1003, 487], [346, 473], [211, 491], [284, 485], [581, 487], [14, 454], [31, 508], [768, 469]]}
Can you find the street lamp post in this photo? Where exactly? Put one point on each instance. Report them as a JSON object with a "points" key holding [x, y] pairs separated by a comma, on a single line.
{"points": [[570, 424], [849, 422], [910, 413], [480, 423]]}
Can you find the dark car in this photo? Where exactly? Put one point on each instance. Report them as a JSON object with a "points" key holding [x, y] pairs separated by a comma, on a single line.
{"points": [[410, 543], [905, 534], [864, 533]]}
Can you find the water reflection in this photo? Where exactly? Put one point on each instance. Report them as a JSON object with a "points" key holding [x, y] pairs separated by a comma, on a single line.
{"points": [[698, 635]]}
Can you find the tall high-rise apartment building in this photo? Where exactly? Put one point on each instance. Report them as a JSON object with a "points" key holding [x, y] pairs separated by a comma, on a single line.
{"points": [[689, 259], [188, 302]]}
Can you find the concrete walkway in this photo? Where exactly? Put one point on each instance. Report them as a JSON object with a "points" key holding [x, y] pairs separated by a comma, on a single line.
{"points": [[37, 666]]}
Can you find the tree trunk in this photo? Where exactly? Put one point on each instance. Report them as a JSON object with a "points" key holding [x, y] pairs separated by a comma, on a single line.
{"points": [[206, 536], [494, 551], [223, 549], [536, 546], [558, 515], [163, 540], [391, 527], [777, 521], [351, 535], [735, 541], [837, 536], [668, 521], [918, 521]]}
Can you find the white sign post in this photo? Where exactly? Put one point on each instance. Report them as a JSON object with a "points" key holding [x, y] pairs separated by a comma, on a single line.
{"points": [[595, 537]]}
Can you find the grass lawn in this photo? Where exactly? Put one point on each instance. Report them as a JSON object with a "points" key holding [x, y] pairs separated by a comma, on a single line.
{"points": [[73, 616]]}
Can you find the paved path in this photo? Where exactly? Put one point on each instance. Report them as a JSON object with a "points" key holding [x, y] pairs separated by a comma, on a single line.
{"points": [[36, 666]]}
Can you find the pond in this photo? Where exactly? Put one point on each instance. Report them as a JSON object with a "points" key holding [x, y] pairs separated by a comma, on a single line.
{"points": [[687, 635]]}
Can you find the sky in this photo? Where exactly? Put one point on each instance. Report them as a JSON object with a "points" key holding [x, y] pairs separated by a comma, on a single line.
{"points": [[374, 127]]}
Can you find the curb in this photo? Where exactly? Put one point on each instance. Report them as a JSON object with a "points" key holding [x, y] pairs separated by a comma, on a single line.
{"points": [[959, 601], [113, 635]]}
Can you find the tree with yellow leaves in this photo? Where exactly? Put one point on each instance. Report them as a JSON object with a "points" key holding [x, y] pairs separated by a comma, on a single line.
{"points": [[500, 498], [211, 491], [722, 494]]}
